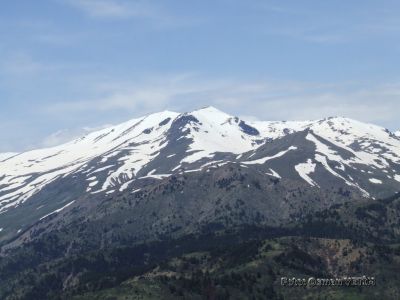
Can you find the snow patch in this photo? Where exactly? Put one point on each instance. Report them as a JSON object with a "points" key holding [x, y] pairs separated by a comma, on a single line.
{"points": [[305, 169], [265, 159], [375, 181], [125, 185], [192, 171], [58, 210], [218, 132], [322, 159], [101, 169], [93, 183], [156, 176], [273, 173]]}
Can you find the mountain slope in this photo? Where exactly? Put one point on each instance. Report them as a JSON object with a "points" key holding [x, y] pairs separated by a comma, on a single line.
{"points": [[353, 239], [128, 209], [333, 154], [6, 155]]}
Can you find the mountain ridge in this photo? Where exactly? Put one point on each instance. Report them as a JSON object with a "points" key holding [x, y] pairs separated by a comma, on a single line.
{"points": [[332, 152], [169, 198]]}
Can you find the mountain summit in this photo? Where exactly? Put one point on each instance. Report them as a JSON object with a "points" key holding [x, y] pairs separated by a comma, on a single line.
{"points": [[335, 156]]}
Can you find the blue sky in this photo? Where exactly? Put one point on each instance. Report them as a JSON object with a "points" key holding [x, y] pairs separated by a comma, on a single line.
{"points": [[69, 66]]}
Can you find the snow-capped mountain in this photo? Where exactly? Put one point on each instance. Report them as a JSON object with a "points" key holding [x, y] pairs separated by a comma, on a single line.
{"points": [[323, 154], [397, 133]]}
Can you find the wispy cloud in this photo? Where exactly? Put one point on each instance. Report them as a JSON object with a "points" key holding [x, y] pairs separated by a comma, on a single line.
{"points": [[114, 102], [265, 100], [322, 25], [61, 136], [313, 34], [66, 135], [58, 39], [143, 97], [22, 63], [337, 34], [116, 8]]}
